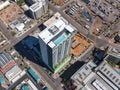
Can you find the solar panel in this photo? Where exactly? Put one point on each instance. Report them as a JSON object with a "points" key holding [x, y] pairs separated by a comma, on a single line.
{"points": [[4, 58]]}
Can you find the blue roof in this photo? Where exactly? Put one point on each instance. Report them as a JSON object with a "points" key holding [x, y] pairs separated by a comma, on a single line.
{"points": [[100, 55], [1, 80], [33, 74], [86, 1], [85, 14], [4, 58], [118, 71], [72, 12], [72, 9]]}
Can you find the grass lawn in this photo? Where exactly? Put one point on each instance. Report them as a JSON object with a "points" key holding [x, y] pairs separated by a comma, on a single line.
{"points": [[57, 68]]}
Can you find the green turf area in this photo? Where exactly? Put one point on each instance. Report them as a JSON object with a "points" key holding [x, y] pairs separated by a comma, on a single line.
{"points": [[21, 2], [57, 68]]}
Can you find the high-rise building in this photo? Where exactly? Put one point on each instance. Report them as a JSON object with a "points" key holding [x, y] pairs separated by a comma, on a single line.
{"points": [[55, 42], [30, 2], [38, 9], [97, 77]]}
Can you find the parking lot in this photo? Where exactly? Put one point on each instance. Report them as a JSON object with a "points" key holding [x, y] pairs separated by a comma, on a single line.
{"points": [[81, 14], [84, 16]]}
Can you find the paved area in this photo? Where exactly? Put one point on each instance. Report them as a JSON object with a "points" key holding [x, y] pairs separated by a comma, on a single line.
{"points": [[37, 65], [55, 84]]}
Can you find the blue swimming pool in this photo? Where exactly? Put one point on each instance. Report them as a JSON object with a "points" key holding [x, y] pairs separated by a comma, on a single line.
{"points": [[60, 39], [1, 80], [25, 87], [118, 71]]}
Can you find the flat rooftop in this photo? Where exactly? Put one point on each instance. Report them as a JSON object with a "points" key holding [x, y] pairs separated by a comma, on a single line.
{"points": [[13, 72], [10, 13], [114, 51], [52, 19], [83, 72], [51, 33], [94, 82], [79, 44], [110, 73], [36, 6], [93, 77]]}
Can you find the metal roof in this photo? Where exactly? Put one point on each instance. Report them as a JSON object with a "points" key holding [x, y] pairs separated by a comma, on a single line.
{"points": [[4, 58], [12, 72]]}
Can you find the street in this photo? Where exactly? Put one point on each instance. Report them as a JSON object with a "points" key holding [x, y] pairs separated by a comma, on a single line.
{"points": [[37, 65], [53, 83]]}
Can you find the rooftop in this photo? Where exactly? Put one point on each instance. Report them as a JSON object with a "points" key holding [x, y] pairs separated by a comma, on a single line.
{"points": [[52, 19], [84, 71], [33, 74], [12, 73], [58, 28], [110, 73], [94, 82], [4, 59], [114, 51], [36, 6], [93, 77]]}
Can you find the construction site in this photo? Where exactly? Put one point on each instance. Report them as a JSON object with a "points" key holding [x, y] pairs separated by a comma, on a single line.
{"points": [[85, 17], [80, 44], [59, 2], [10, 13]]}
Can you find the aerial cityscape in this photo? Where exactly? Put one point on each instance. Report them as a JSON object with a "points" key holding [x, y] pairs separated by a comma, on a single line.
{"points": [[59, 44]]}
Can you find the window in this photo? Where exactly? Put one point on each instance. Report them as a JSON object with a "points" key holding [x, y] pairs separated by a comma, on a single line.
{"points": [[119, 83], [105, 69], [102, 68], [116, 80], [108, 72], [84, 74], [90, 65], [86, 68], [111, 75]]}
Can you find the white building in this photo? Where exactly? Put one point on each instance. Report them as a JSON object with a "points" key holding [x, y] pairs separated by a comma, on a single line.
{"points": [[14, 74], [55, 42], [93, 77], [4, 4], [38, 9]]}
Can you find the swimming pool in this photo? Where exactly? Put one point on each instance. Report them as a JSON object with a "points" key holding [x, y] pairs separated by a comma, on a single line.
{"points": [[60, 39], [1, 80], [25, 87]]}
